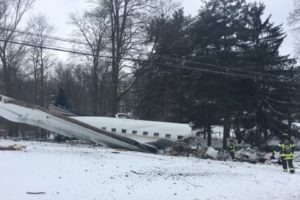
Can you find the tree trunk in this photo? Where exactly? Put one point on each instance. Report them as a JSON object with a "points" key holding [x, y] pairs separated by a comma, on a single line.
{"points": [[115, 83], [208, 135], [42, 93], [226, 129], [7, 79], [226, 117], [35, 89], [95, 88], [238, 134], [11, 127]]}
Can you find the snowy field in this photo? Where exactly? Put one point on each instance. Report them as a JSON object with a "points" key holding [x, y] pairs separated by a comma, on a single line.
{"points": [[64, 172]]}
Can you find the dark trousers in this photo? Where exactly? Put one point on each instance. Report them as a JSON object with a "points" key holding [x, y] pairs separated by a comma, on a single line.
{"points": [[287, 163], [232, 154]]}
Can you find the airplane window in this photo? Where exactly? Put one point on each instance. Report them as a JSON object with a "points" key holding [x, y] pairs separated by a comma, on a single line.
{"points": [[123, 130], [168, 135], [134, 132], [104, 128], [180, 137], [113, 130], [145, 133], [156, 134]]}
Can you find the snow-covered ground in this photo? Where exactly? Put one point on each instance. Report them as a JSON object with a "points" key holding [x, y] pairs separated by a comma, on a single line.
{"points": [[65, 172]]}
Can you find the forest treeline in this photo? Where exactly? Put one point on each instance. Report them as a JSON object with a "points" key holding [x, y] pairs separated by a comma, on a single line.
{"points": [[220, 67]]}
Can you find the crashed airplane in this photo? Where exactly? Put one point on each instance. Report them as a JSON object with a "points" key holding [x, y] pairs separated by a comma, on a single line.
{"points": [[131, 134]]}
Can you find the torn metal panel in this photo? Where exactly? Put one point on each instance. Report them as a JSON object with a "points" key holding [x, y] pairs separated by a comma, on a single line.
{"points": [[21, 112]]}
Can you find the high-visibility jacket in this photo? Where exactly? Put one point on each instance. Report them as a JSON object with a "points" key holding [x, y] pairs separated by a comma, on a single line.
{"points": [[232, 148], [287, 151]]}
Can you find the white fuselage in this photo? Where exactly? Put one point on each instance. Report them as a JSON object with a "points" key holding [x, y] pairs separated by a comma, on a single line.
{"points": [[113, 132], [140, 130]]}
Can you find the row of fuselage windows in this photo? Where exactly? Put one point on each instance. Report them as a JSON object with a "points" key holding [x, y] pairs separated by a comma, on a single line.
{"points": [[145, 133]]}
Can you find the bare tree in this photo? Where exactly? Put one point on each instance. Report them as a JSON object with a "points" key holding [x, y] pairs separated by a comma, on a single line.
{"points": [[11, 55], [40, 58], [116, 29], [12, 12], [165, 8], [124, 29], [90, 29]]}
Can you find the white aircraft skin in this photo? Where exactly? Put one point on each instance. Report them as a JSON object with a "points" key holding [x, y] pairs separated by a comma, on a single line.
{"points": [[136, 135], [140, 130]]}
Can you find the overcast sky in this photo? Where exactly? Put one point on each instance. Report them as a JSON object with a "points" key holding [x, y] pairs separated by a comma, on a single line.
{"points": [[57, 12]]}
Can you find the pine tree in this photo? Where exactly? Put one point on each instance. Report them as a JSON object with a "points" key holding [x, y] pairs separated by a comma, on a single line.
{"points": [[272, 101], [160, 86], [232, 34], [214, 41]]}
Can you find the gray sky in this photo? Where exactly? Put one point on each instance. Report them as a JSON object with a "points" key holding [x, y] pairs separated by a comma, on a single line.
{"points": [[57, 12]]}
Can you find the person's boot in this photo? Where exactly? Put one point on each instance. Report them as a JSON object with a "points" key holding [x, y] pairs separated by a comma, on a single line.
{"points": [[285, 170], [292, 170]]}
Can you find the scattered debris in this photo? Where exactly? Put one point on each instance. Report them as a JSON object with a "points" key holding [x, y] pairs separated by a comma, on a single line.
{"points": [[192, 183], [137, 172], [36, 192], [297, 156], [211, 153], [224, 155], [184, 150], [246, 153], [251, 155], [14, 147]]}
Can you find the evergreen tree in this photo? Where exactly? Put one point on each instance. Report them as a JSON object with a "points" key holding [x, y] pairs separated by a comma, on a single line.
{"points": [[160, 86], [271, 103], [239, 79], [214, 41], [232, 34]]}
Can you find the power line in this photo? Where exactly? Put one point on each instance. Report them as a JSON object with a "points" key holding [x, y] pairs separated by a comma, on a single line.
{"points": [[137, 60], [228, 74], [226, 68], [54, 48], [47, 36]]}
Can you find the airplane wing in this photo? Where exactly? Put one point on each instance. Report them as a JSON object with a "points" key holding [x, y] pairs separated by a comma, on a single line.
{"points": [[21, 112]]}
